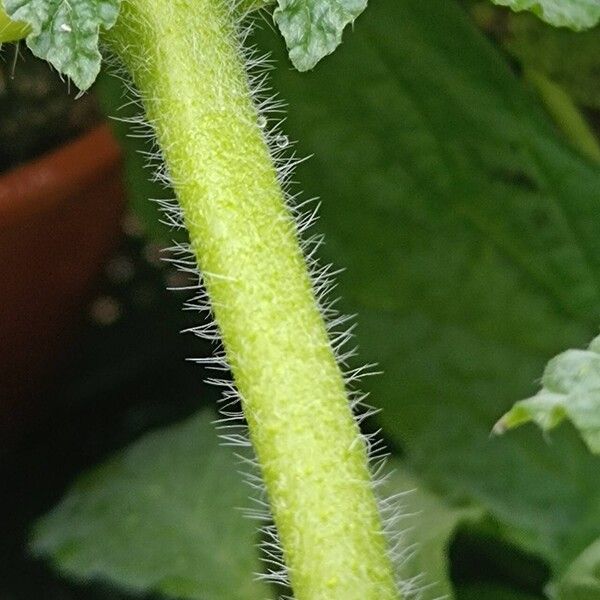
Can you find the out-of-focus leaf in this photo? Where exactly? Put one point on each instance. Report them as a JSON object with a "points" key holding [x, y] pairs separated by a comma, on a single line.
{"points": [[428, 524], [66, 33], [486, 591], [313, 28], [245, 7], [571, 390], [161, 516], [576, 14], [581, 580], [469, 230]]}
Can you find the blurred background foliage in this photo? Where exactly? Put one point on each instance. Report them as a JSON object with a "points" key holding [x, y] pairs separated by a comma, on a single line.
{"points": [[466, 215]]}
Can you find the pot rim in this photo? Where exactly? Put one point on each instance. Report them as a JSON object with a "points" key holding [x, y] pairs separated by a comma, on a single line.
{"points": [[54, 178]]}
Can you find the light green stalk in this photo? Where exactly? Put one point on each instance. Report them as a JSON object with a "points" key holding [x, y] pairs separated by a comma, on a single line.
{"points": [[11, 31], [184, 59], [566, 115]]}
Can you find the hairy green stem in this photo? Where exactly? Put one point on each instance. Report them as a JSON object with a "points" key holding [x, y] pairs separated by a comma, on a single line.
{"points": [[184, 58]]}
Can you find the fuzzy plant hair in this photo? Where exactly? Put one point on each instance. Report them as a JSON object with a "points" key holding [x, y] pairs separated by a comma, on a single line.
{"points": [[265, 299]]}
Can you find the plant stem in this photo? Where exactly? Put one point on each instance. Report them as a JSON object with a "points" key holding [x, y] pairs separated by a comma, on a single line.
{"points": [[11, 31], [566, 115], [184, 58]]}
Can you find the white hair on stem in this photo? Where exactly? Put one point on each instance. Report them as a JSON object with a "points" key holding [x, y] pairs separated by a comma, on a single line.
{"points": [[233, 431]]}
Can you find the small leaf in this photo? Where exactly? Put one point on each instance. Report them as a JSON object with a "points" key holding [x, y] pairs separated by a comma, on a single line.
{"points": [[576, 14], [571, 390], [66, 33], [313, 28], [428, 524], [159, 517]]}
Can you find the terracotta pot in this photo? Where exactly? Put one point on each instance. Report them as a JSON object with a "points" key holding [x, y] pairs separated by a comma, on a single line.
{"points": [[59, 220]]}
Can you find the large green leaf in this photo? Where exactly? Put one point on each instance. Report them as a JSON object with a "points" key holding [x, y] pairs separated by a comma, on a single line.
{"points": [[428, 524], [163, 516], [576, 14], [313, 28], [469, 230], [571, 390], [66, 33], [483, 591]]}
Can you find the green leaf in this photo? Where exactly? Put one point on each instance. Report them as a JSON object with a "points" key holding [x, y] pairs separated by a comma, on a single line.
{"points": [[66, 33], [161, 516], [469, 232], [576, 14], [313, 28], [428, 524], [487, 591], [581, 581], [571, 390]]}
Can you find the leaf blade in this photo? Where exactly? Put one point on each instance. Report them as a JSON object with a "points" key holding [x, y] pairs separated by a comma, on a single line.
{"points": [[162, 515], [575, 14], [66, 34], [468, 227], [581, 580], [313, 28], [428, 524], [571, 390]]}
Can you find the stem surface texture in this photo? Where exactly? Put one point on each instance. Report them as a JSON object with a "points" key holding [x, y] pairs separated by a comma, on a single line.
{"points": [[185, 59]]}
